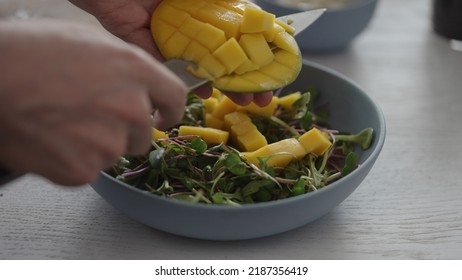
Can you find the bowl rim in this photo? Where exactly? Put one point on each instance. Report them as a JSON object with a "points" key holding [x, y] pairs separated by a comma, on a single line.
{"points": [[379, 138], [353, 6]]}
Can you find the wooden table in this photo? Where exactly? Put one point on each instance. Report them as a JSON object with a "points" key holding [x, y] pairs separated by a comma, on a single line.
{"points": [[409, 207]]}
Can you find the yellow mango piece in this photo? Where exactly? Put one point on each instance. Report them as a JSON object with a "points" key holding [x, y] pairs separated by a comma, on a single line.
{"points": [[176, 44], [286, 42], [288, 28], [259, 78], [266, 111], [231, 55], [245, 67], [280, 153], [164, 30], [236, 6], [192, 7], [251, 141], [288, 100], [288, 59], [195, 51], [270, 34], [208, 134], [211, 37], [206, 31], [225, 106], [158, 134], [256, 20], [242, 128], [314, 141], [256, 48], [277, 71], [212, 65], [164, 13], [243, 132], [216, 93], [238, 129], [210, 104], [213, 122], [190, 27], [224, 19], [199, 72], [234, 118], [236, 84]]}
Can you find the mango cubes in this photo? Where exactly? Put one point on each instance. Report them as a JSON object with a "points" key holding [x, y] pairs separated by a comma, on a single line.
{"points": [[284, 151], [233, 43], [231, 124], [208, 134]]}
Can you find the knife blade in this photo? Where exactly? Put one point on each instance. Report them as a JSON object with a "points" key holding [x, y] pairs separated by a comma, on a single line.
{"points": [[299, 21]]}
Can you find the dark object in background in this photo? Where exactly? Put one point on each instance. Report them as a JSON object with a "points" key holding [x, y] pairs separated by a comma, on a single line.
{"points": [[447, 18]]}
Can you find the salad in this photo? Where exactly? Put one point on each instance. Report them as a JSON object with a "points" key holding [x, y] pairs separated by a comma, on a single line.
{"points": [[185, 167]]}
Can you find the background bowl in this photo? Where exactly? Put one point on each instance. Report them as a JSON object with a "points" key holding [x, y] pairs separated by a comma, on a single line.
{"points": [[350, 110], [334, 30]]}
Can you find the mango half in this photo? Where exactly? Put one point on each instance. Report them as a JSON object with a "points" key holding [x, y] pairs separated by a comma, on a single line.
{"points": [[233, 43]]}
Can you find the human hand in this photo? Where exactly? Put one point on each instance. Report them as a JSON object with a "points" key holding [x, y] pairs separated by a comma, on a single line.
{"points": [[130, 21], [72, 100]]}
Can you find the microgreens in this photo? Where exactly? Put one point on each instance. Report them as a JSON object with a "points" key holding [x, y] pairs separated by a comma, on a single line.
{"points": [[186, 168]]}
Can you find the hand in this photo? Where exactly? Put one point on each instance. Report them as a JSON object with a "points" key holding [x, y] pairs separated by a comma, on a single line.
{"points": [[72, 100], [130, 21]]}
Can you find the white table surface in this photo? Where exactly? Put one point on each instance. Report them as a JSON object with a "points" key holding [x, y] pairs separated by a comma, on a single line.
{"points": [[409, 207]]}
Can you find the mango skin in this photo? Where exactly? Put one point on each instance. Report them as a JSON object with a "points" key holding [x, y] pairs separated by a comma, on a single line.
{"points": [[233, 43]]}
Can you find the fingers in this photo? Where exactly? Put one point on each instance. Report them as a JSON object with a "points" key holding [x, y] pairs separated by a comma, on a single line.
{"points": [[243, 99], [204, 91], [169, 104], [263, 99], [166, 92]]}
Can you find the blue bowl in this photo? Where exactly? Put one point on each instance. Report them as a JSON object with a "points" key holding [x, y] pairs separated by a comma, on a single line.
{"points": [[334, 30], [351, 109]]}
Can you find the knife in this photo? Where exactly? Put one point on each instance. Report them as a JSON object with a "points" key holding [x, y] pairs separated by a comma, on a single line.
{"points": [[299, 21]]}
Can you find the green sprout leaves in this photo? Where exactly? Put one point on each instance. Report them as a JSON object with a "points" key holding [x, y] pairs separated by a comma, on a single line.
{"points": [[187, 168]]}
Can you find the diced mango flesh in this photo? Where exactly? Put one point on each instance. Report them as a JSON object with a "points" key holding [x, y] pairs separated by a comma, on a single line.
{"points": [[234, 118], [251, 140], [243, 132], [208, 134], [284, 151], [315, 141], [227, 122], [270, 34], [288, 100], [257, 48], [210, 104], [279, 153], [256, 20], [225, 106], [289, 29], [233, 43], [158, 134], [231, 55], [213, 122]]}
